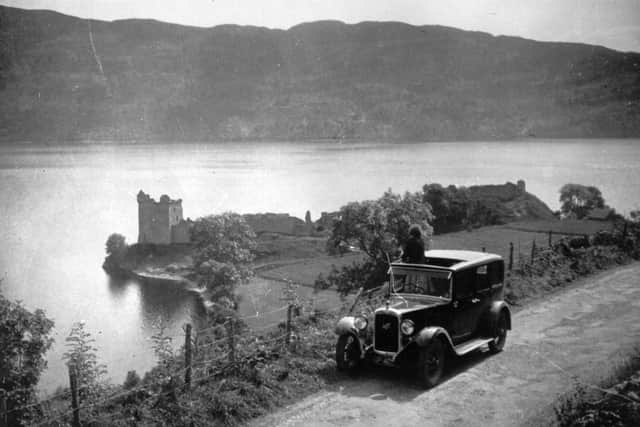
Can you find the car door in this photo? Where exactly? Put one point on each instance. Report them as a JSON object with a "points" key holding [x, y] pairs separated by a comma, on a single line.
{"points": [[466, 307], [484, 291]]}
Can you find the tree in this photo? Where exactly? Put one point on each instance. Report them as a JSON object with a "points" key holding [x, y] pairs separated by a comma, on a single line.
{"points": [[116, 248], [116, 245], [578, 200], [450, 206], [378, 228], [82, 356], [24, 339], [224, 251], [132, 380]]}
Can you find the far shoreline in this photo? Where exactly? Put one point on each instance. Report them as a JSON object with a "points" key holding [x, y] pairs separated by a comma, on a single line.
{"points": [[356, 141]]}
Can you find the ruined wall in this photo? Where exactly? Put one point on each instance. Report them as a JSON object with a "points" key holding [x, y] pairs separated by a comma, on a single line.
{"points": [[181, 232], [508, 191], [156, 219], [278, 223]]}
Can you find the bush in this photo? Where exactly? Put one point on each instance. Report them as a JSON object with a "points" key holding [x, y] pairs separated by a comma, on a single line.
{"points": [[24, 339], [132, 380], [82, 356]]}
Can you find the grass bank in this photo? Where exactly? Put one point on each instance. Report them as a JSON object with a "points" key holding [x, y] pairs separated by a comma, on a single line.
{"points": [[614, 402]]}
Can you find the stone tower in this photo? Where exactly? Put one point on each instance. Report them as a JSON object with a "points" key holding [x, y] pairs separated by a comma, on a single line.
{"points": [[161, 222]]}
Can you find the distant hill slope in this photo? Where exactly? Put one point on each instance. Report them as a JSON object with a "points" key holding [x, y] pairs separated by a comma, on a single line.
{"points": [[64, 78], [509, 202]]}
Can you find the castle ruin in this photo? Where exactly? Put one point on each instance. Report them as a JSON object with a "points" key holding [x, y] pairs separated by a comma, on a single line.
{"points": [[161, 222]]}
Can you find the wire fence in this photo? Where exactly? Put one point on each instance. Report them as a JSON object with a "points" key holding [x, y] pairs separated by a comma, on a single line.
{"points": [[207, 351]]}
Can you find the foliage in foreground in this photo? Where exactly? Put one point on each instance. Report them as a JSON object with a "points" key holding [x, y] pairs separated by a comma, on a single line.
{"points": [[81, 356], [264, 374], [24, 339], [616, 403]]}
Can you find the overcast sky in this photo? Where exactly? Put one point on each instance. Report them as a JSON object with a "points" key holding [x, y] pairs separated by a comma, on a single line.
{"points": [[612, 23]]}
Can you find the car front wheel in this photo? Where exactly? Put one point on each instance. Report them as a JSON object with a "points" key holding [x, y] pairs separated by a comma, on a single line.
{"points": [[497, 344], [348, 353], [432, 363]]}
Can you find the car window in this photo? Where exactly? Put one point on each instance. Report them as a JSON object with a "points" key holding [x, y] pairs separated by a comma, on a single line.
{"points": [[464, 283], [482, 278], [422, 283], [496, 272]]}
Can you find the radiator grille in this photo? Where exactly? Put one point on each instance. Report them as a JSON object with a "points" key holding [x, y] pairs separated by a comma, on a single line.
{"points": [[386, 332]]}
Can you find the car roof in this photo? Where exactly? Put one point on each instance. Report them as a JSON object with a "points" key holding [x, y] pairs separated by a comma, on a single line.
{"points": [[452, 260]]}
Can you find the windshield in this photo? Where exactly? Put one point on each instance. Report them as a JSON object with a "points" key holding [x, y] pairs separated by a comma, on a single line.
{"points": [[422, 282]]}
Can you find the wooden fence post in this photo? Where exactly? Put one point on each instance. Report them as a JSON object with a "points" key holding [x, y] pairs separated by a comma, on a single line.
{"points": [[73, 384], [510, 256], [4, 421], [187, 356], [231, 338], [287, 338], [550, 238]]}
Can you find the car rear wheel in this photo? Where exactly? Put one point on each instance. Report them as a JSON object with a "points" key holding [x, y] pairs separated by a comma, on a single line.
{"points": [[500, 338], [432, 359], [348, 353]]}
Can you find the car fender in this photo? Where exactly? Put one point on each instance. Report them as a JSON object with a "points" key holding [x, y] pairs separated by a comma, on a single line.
{"points": [[428, 334], [498, 307], [346, 325]]}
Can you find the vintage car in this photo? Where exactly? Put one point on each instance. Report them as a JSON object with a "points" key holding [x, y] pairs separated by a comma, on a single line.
{"points": [[449, 305]]}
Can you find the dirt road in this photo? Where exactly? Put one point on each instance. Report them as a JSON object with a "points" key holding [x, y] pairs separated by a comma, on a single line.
{"points": [[581, 333]]}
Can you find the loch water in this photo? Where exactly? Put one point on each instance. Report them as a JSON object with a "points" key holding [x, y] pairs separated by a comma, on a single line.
{"points": [[59, 204]]}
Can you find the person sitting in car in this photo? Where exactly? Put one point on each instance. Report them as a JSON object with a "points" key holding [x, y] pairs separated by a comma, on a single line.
{"points": [[413, 251]]}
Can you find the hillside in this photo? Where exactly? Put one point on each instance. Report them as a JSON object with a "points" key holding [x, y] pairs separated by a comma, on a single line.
{"points": [[64, 78], [509, 202]]}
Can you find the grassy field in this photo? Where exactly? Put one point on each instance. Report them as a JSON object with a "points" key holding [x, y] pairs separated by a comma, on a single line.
{"points": [[566, 226], [301, 260]]}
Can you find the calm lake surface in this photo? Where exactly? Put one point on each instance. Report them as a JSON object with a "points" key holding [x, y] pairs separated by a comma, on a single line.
{"points": [[59, 204]]}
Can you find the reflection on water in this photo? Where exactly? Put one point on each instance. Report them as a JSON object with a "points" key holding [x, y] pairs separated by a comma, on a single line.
{"points": [[158, 302]]}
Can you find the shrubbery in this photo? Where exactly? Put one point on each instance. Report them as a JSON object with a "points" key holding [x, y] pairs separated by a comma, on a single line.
{"points": [[82, 357], [578, 200], [116, 249], [24, 339], [224, 251]]}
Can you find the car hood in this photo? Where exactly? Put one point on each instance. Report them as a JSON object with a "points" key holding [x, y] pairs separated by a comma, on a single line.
{"points": [[413, 304]]}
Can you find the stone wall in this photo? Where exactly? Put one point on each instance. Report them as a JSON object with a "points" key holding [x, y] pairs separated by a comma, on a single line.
{"points": [[181, 232], [156, 220], [504, 192], [278, 223]]}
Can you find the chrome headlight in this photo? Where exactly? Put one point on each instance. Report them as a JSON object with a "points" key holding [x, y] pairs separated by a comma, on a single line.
{"points": [[360, 323], [407, 327]]}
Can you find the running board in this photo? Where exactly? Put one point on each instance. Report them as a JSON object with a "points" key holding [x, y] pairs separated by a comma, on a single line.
{"points": [[469, 346]]}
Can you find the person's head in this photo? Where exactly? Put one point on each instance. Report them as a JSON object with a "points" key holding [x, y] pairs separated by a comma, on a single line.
{"points": [[414, 231]]}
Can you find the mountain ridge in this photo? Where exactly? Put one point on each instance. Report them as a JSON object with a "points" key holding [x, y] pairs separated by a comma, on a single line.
{"points": [[148, 80]]}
